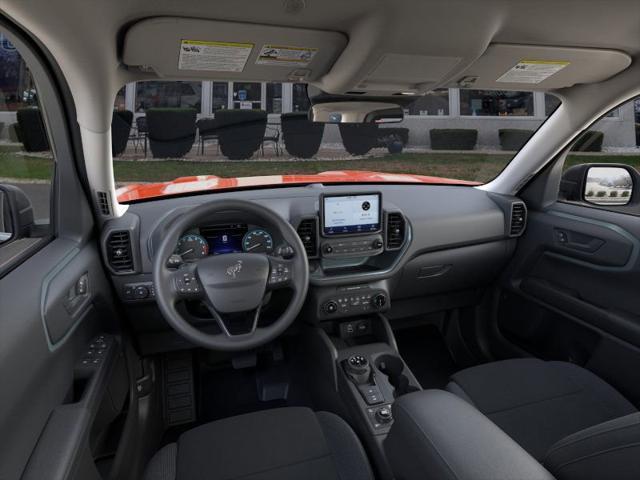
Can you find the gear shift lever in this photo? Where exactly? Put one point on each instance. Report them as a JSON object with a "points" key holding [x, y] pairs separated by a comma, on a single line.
{"points": [[358, 368]]}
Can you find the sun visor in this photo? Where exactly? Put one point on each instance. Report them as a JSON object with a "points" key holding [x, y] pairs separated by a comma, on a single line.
{"points": [[209, 49], [526, 67]]}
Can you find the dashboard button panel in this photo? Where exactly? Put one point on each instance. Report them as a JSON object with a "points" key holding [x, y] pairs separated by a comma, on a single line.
{"points": [[354, 300], [135, 292], [360, 246]]}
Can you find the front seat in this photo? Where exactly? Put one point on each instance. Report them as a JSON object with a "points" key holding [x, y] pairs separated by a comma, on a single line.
{"points": [[284, 443], [538, 403]]}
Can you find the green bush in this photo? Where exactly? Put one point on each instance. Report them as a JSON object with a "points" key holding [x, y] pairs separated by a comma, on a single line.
{"points": [[590, 141], [14, 133], [32, 132], [172, 131], [206, 126], [120, 129], [613, 193], [513, 138], [453, 139], [301, 137], [358, 139], [240, 132], [625, 193], [601, 193], [590, 193]]}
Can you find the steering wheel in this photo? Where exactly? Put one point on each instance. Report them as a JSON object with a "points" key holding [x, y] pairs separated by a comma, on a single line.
{"points": [[232, 283]]}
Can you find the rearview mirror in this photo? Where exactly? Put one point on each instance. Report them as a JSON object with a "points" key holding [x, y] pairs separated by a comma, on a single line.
{"points": [[356, 112], [608, 186]]}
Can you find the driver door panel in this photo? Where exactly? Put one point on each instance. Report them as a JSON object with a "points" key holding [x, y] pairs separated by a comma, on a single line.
{"points": [[56, 405], [49, 399]]}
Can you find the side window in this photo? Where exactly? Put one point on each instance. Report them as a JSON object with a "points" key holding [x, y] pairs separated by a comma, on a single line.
{"points": [[26, 160], [603, 168]]}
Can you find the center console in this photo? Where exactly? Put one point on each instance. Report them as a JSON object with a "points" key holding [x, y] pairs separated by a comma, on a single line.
{"points": [[360, 356], [354, 245], [372, 377]]}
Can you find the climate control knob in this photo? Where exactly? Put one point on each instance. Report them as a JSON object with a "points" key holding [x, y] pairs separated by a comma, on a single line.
{"points": [[379, 300], [377, 244], [330, 307]]}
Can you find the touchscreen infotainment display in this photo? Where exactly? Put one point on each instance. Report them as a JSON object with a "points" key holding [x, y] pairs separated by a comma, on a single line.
{"points": [[349, 214]]}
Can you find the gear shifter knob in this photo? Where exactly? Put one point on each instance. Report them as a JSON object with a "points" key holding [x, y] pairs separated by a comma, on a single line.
{"points": [[357, 366]]}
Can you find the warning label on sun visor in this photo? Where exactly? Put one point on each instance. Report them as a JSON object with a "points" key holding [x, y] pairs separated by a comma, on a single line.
{"points": [[532, 71], [285, 55], [214, 56]]}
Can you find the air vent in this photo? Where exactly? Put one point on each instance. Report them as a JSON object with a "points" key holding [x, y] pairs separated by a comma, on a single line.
{"points": [[395, 231], [518, 219], [103, 203], [308, 233], [119, 252]]}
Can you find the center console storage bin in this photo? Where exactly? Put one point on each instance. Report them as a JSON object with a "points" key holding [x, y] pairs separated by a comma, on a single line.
{"points": [[438, 435]]}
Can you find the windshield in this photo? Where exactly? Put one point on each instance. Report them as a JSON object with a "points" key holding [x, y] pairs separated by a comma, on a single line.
{"points": [[176, 137]]}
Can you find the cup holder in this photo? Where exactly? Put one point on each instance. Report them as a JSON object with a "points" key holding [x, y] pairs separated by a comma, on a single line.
{"points": [[393, 367]]}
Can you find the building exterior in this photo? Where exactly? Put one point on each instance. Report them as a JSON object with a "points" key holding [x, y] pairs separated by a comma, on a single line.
{"points": [[485, 111]]}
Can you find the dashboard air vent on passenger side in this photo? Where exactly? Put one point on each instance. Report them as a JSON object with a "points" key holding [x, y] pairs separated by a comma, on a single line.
{"points": [[119, 253], [308, 233], [395, 230], [103, 203], [518, 219]]}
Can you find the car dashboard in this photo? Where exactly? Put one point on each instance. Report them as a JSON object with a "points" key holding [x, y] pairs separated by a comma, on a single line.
{"points": [[387, 250]]}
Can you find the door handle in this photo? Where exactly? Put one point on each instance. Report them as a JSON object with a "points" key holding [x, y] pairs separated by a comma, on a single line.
{"points": [[578, 241], [78, 295]]}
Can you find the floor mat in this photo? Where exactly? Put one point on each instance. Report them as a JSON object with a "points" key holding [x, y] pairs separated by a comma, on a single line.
{"points": [[426, 353], [225, 392]]}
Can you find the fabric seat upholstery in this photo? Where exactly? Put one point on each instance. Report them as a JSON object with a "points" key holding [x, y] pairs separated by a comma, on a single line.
{"points": [[538, 403], [284, 443]]}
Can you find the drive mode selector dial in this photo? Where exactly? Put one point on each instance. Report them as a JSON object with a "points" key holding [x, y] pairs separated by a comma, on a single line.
{"points": [[384, 415], [358, 363]]}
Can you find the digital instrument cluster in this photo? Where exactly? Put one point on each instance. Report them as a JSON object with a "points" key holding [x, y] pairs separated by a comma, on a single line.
{"points": [[221, 239]]}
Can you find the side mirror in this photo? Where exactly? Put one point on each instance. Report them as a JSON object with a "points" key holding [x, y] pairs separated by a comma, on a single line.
{"points": [[599, 184], [16, 213], [608, 186], [356, 112]]}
